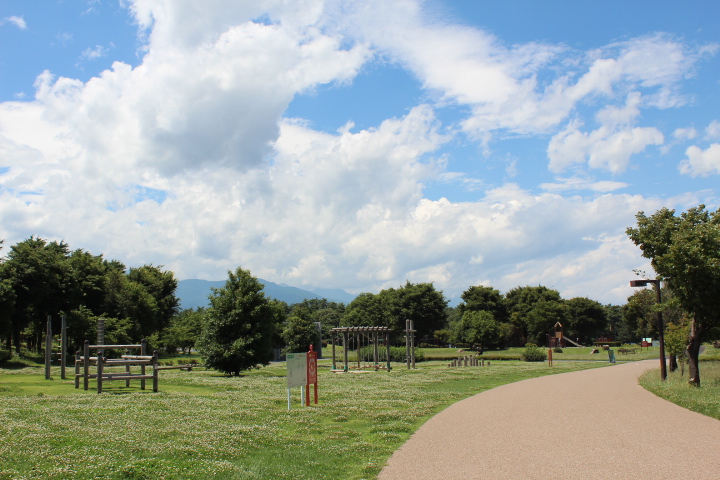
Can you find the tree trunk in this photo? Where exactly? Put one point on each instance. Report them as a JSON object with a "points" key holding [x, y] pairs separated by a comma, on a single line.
{"points": [[693, 351], [673, 363], [16, 338]]}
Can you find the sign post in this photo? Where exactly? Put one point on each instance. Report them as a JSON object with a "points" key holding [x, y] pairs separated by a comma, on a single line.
{"points": [[301, 372], [311, 376], [296, 372]]}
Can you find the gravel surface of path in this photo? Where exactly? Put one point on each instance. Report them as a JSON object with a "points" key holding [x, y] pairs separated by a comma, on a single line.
{"points": [[592, 424]]}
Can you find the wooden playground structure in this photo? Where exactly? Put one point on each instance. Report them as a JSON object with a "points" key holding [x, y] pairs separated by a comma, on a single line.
{"points": [[362, 337], [100, 362]]}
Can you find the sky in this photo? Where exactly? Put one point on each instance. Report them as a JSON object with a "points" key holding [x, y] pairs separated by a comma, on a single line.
{"points": [[359, 144]]}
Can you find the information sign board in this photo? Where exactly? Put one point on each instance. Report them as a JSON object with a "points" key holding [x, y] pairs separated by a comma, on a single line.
{"points": [[296, 369]]}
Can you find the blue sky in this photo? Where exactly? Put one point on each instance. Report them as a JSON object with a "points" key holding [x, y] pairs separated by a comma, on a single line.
{"points": [[359, 144]]}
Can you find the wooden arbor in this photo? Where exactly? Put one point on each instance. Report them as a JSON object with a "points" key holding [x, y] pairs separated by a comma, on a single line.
{"points": [[370, 335]]}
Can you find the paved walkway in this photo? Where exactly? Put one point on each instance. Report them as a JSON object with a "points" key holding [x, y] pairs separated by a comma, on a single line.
{"points": [[592, 424]]}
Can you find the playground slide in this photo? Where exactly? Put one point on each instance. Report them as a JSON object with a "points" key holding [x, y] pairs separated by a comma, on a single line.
{"points": [[568, 340]]}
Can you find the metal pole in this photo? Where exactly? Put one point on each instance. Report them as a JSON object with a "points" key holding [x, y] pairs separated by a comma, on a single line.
{"points": [[412, 343], [63, 342], [661, 334], [407, 343], [48, 347]]}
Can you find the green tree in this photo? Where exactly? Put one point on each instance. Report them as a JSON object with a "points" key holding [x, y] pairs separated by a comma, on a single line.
{"points": [[521, 301], [676, 340], [616, 325], [586, 319], [419, 302], [479, 328], [126, 299], [184, 330], [38, 280], [240, 325], [367, 310], [684, 251], [88, 280], [161, 285], [542, 318], [300, 332], [484, 299]]}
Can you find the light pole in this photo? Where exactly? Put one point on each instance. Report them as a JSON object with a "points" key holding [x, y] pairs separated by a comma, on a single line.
{"points": [[660, 325]]}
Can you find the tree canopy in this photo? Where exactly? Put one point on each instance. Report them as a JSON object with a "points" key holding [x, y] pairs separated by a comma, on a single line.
{"points": [[684, 251], [40, 278]]}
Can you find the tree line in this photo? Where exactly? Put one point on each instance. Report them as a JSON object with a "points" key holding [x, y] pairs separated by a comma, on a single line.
{"points": [[241, 326]]}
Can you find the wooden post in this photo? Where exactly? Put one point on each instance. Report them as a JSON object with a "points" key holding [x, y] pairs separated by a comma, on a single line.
{"points": [[376, 354], [346, 344], [77, 369], [387, 345], [86, 364], [155, 370], [63, 346], [143, 349], [48, 347], [332, 339], [100, 361]]}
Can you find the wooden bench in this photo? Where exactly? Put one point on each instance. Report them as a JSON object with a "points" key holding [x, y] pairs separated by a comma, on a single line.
{"points": [[625, 351]]}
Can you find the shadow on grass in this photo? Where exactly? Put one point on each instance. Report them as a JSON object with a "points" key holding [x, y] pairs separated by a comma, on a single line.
{"points": [[16, 365]]}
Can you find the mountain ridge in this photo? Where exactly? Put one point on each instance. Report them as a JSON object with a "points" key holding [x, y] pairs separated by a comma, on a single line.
{"points": [[194, 293]]}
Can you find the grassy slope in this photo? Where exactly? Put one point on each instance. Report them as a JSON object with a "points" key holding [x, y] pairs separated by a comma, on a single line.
{"points": [[705, 400], [203, 425]]}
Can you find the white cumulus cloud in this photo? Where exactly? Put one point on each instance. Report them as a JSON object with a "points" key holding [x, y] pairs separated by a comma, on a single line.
{"points": [[701, 162]]}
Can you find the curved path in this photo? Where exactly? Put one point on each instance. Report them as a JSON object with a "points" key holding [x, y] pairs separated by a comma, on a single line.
{"points": [[592, 424]]}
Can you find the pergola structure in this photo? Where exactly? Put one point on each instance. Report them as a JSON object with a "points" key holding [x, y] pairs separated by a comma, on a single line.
{"points": [[366, 335]]}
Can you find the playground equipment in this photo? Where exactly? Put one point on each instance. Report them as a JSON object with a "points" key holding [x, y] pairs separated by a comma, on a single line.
{"points": [[558, 339], [359, 336], [367, 336], [101, 363], [467, 361], [410, 343]]}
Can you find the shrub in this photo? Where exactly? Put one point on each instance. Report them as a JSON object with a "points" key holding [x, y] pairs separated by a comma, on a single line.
{"points": [[397, 354], [557, 350], [533, 353]]}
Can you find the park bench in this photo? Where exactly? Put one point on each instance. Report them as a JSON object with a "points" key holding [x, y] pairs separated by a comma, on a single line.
{"points": [[625, 351]]}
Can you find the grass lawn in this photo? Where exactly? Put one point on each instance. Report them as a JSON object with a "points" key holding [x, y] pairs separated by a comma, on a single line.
{"points": [[204, 425], [705, 400], [575, 354]]}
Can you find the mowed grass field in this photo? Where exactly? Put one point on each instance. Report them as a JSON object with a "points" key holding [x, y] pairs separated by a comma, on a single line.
{"points": [[204, 425]]}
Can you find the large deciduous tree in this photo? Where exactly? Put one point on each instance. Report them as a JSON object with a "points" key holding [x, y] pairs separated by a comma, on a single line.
{"points": [[240, 325], [586, 318], [528, 307], [478, 328], [685, 253], [38, 273], [419, 302], [300, 331], [484, 299]]}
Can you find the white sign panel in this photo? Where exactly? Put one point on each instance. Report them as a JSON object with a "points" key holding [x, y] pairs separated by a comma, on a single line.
{"points": [[296, 369]]}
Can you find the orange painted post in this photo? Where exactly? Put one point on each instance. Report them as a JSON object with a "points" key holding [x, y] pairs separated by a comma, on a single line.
{"points": [[311, 375], [550, 357]]}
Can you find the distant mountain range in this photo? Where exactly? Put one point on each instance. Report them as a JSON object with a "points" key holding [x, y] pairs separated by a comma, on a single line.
{"points": [[194, 293]]}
